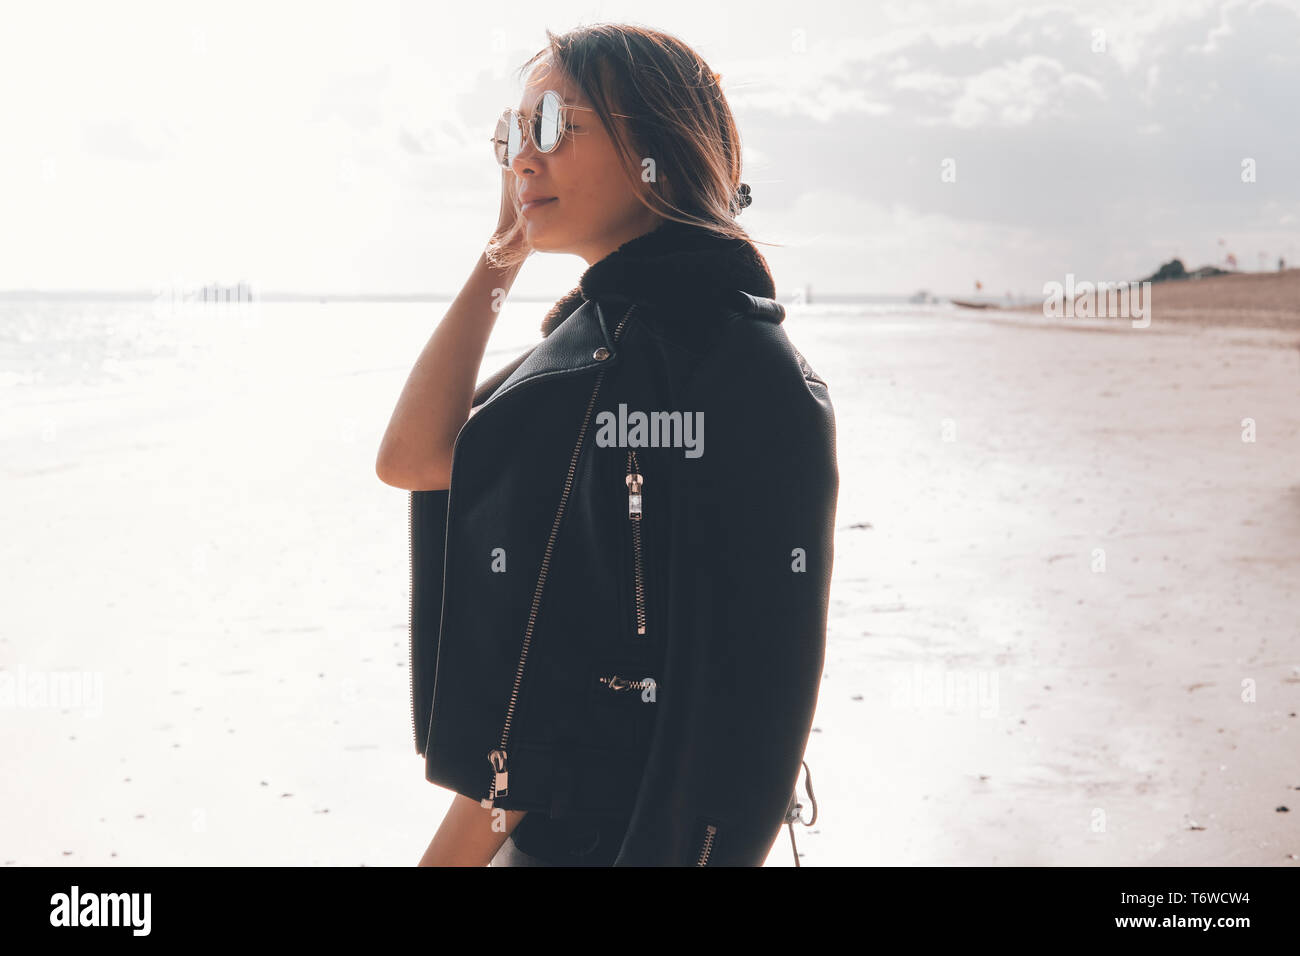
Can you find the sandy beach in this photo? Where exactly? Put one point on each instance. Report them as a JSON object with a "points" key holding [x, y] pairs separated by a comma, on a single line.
{"points": [[1145, 707], [1064, 618], [1254, 300]]}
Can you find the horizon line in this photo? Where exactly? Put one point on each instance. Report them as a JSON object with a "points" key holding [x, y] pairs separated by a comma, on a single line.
{"points": [[291, 296]]}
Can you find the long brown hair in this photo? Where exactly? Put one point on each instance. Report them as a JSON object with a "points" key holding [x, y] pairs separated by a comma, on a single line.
{"points": [[659, 101]]}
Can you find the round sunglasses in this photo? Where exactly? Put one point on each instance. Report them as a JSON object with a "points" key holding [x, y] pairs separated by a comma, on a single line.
{"points": [[545, 128]]}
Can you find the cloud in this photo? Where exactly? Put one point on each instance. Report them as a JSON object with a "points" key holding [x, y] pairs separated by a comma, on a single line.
{"points": [[124, 138], [1090, 142], [1015, 93]]}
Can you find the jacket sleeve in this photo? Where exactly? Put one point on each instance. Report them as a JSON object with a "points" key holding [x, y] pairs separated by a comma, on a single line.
{"points": [[750, 555]]}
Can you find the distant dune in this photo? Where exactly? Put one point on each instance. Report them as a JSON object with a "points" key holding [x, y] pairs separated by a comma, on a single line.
{"points": [[1254, 299]]}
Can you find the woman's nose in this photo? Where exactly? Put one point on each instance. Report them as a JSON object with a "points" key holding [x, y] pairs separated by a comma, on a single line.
{"points": [[525, 160]]}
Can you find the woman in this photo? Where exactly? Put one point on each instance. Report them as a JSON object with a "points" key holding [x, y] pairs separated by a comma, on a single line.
{"points": [[609, 666]]}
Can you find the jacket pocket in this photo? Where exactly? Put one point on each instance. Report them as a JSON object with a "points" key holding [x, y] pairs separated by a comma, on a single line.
{"points": [[601, 781], [623, 700], [634, 479]]}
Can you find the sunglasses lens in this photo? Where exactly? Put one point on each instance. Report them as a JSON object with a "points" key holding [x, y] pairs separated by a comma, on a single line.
{"points": [[547, 122], [514, 139], [545, 131], [499, 139]]}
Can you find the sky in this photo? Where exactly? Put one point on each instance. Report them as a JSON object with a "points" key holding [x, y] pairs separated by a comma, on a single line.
{"points": [[342, 147]]}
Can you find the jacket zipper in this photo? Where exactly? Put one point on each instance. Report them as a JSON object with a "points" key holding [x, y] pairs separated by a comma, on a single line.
{"points": [[614, 682], [634, 482], [500, 782], [710, 831]]}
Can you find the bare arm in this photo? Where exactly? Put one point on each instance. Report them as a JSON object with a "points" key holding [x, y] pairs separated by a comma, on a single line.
{"points": [[467, 836], [415, 452]]}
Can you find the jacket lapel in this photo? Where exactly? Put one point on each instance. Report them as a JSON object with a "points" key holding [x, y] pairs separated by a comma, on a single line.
{"points": [[571, 345], [574, 346]]}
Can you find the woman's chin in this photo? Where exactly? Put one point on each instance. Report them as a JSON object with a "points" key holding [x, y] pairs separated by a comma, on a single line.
{"points": [[542, 240]]}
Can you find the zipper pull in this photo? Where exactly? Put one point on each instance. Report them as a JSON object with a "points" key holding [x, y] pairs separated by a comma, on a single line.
{"points": [[634, 496], [500, 778]]}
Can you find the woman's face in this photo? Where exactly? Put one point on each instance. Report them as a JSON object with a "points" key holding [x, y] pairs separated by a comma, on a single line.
{"points": [[593, 208]]}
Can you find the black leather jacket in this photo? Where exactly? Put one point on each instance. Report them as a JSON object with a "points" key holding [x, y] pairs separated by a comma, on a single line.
{"points": [[573, 657]]}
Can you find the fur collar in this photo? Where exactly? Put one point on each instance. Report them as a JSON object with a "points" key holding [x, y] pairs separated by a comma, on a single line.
{"points": [[675, 263]]}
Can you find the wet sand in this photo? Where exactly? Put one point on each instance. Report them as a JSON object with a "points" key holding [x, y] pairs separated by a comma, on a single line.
{"points": [[1097, 551]]}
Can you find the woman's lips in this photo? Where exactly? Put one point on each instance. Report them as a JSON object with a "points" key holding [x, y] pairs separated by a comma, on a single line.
{"points": [[529, 206]]}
